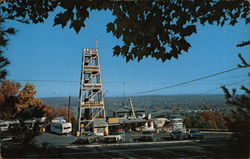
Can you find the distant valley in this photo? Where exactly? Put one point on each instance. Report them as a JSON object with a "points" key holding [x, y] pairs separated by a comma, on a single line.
{"points": [[150, 103]]}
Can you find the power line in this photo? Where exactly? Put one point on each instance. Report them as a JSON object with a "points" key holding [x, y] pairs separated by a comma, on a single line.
{"points": [[25, 80], [143, 92], [113, 82], [230, 84], [219, 83], [184, 83], [64, 81], [69, 81], [107, 82], [231, 77]]}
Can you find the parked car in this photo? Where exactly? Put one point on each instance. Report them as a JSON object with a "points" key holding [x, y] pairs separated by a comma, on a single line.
{"points": [[147, 136], [195, 134], [87, 133], [87, 138], [113, 137], [178, 135]]}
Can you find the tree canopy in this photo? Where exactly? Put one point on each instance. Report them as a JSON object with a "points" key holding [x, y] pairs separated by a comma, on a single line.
{"points": [[208, 120], [19, 103], [22, 103], [239, 119], [4, 33], [8, 98], [147, 28]]}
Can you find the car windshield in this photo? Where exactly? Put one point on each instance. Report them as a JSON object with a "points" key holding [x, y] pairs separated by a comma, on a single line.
{"points": [[147, 132]]}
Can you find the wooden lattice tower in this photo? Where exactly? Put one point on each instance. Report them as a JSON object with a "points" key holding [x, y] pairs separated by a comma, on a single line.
{"points": [[91, 102]]}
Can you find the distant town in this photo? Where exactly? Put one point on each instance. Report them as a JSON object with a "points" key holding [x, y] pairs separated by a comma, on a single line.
{"points": [[155, 104]]}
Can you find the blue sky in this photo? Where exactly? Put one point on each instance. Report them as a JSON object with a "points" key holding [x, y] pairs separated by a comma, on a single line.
{"points": [[44, 52]]}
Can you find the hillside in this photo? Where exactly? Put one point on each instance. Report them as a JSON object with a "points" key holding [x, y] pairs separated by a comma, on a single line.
{"points": [[192, 101], [150, 103]]}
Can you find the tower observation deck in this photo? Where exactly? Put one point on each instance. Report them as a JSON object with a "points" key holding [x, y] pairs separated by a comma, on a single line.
{"points": [[91, 102]]}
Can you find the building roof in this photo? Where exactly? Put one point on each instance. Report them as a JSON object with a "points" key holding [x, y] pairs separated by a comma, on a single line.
{"points": [[98, 123], [59, 119], [132, 120], [124, 110]]}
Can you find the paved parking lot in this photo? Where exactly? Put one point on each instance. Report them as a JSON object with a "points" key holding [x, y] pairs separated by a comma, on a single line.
{"points": [[54, 139], [163, 149], [63, 140], [60, 146]]}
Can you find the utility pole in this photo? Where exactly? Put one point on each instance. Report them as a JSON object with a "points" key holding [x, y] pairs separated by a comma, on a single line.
{"points": [[96, 43], [68, 108], [132, 108], [124, 97]]}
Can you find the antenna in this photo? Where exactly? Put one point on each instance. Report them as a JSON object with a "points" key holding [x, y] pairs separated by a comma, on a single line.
{"points": [[124, 97], [96, 43]]}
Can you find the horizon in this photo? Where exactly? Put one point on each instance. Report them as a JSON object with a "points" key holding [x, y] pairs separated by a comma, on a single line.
{"points": [[142, 95]]}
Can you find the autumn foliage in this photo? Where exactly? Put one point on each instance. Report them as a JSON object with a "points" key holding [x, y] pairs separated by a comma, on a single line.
{"points": [[209, 120], [52, 112], [22, 103], [26, 98], [8, 89], [8, 97]]}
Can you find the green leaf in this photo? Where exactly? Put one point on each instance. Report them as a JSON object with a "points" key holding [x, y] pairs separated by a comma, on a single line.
{"points": [[57, 19], [124, 49], [110, 27], [184, 45], [11, 31], [77, 26], [129, 57], [64, 19], [117, 50], [189, 30]]}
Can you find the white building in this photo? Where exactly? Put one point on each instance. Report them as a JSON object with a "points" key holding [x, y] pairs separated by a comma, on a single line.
{"points": [[177, 124]]}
